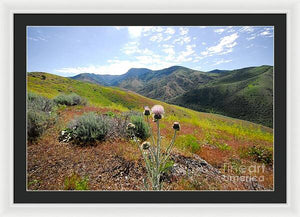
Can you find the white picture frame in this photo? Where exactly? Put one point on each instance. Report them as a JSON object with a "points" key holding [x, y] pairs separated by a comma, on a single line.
{"points": [[290, 7]]}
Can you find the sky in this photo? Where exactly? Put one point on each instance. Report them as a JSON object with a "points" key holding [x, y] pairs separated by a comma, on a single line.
{"points": [[68, 51]]}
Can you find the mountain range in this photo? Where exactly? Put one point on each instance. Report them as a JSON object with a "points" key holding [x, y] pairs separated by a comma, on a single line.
{"points": [[245, 93]]}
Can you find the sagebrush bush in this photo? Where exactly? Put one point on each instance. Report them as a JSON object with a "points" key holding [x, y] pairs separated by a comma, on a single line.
{"points": [[40, 115], [141, 128], [69, 99], [36, 123], [89, 128], [39, 103]]}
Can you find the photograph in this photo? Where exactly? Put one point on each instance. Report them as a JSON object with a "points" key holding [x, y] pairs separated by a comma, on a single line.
{"points": [[150, 108]]}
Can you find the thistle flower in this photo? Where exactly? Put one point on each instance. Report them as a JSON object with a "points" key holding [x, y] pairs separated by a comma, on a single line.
{"points": [[146, 145], [176, 126], [158, 111], [147, 111], [130, 126]]}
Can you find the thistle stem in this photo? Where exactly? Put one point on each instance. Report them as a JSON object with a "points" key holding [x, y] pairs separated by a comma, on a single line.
{"points": [[145, 158], [158, 154], [168, 151]]}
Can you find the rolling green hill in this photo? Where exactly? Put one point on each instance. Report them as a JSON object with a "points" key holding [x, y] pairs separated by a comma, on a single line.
{"points": [[245, 94], [49, 85]]}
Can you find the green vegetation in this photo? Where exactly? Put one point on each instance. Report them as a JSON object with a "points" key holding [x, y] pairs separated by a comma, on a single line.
{"points": [[188, 142], [75, 182], [40, 115], [244, 94], [69, 99], [123, 101], [52, 86], [222, 146], [89, 128], [141, 128], [261, 154]]}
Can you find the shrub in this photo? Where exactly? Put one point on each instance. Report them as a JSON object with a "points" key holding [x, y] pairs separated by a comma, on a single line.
{"points": [[70, 99], [36, 123], [39, 103], [40, 115], [90, 127], [258, 153], [141, 127], [75, 182], [261, 154]]}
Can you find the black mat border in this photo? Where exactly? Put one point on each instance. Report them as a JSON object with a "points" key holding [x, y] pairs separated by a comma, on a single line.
{"points": [[23, 20]]}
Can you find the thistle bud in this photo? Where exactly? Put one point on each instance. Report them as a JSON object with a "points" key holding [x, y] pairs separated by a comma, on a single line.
{"points": [[147, 111], [130, 126], [158, 111], [146, 145], [176, 126]]}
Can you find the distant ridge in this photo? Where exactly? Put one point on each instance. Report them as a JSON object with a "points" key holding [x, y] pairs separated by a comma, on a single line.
{"points": [[245, 93]]}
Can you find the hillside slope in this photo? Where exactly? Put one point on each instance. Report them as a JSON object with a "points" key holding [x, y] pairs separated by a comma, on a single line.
{"points": [[245, 94], [157, 84]]}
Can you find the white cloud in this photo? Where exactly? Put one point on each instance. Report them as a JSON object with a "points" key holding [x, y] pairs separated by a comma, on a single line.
{"points": [[219, 31], [37, 38], [182, 40], [223, 47], [118, 67], [265, 33], [218, 62], [33, 39], [157, 29], [251, 38], [247, 29], [184, 56], [183, 31], [170, 31], [203, 43], [131, 48], [169, 49], [158, 37], [168, 38], [135, 31]]}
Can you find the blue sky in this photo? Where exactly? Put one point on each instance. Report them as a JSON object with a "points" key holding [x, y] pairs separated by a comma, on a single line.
{"points": [[68, 51]]}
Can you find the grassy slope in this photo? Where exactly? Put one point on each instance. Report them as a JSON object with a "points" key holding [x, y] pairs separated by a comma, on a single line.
{"points": [[119, 99], [245, 94], [211, 131]]}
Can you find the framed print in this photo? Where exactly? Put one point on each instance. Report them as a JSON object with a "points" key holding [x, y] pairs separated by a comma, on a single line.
{"points": [[150, 108], [75, 74]]}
